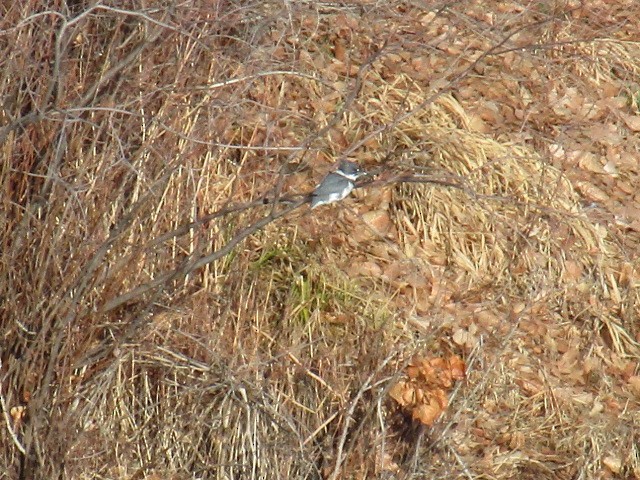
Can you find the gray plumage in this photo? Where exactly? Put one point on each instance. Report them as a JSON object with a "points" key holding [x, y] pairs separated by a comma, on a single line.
{"points": [[336, 185]]}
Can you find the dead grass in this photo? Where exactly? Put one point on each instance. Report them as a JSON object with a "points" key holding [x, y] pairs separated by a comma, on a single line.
{"points": [[139, 140]]}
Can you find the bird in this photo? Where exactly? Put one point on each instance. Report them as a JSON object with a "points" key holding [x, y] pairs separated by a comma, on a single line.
{"points": [[337, 185]]}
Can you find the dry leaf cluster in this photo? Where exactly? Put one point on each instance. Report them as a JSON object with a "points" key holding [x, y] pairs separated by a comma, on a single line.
{"points": [[423, 393]]}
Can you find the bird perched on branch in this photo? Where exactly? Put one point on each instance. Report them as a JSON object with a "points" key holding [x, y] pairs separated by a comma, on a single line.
{"points": [[337, 185]]}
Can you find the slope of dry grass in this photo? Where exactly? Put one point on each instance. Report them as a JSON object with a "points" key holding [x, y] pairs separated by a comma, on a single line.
{"points": [[164, 317]]}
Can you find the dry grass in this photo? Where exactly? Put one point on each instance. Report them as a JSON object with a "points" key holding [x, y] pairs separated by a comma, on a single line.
{"points": [[161, 318]]}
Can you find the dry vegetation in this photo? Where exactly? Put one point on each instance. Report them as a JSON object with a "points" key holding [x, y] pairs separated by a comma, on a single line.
{"points": [[472, 312]]}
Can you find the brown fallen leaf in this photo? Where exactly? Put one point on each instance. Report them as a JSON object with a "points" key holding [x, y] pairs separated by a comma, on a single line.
{"points": [[379, 221], [632, 121], [427, 413], [424, 392]]}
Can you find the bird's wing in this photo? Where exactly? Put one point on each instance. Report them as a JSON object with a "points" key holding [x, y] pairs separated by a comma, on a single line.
{"points": [[332, 183]]}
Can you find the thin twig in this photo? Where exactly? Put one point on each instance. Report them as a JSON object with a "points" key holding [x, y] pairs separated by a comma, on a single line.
{"points": [[191, 265], [349, 416], [7, 419]]}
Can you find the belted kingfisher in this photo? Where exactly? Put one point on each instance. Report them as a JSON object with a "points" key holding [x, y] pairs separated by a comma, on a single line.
{"points": [[336, 185]]}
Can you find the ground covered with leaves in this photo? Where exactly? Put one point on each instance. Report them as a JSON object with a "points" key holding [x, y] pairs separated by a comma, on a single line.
{"points": [[171, 309]]}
